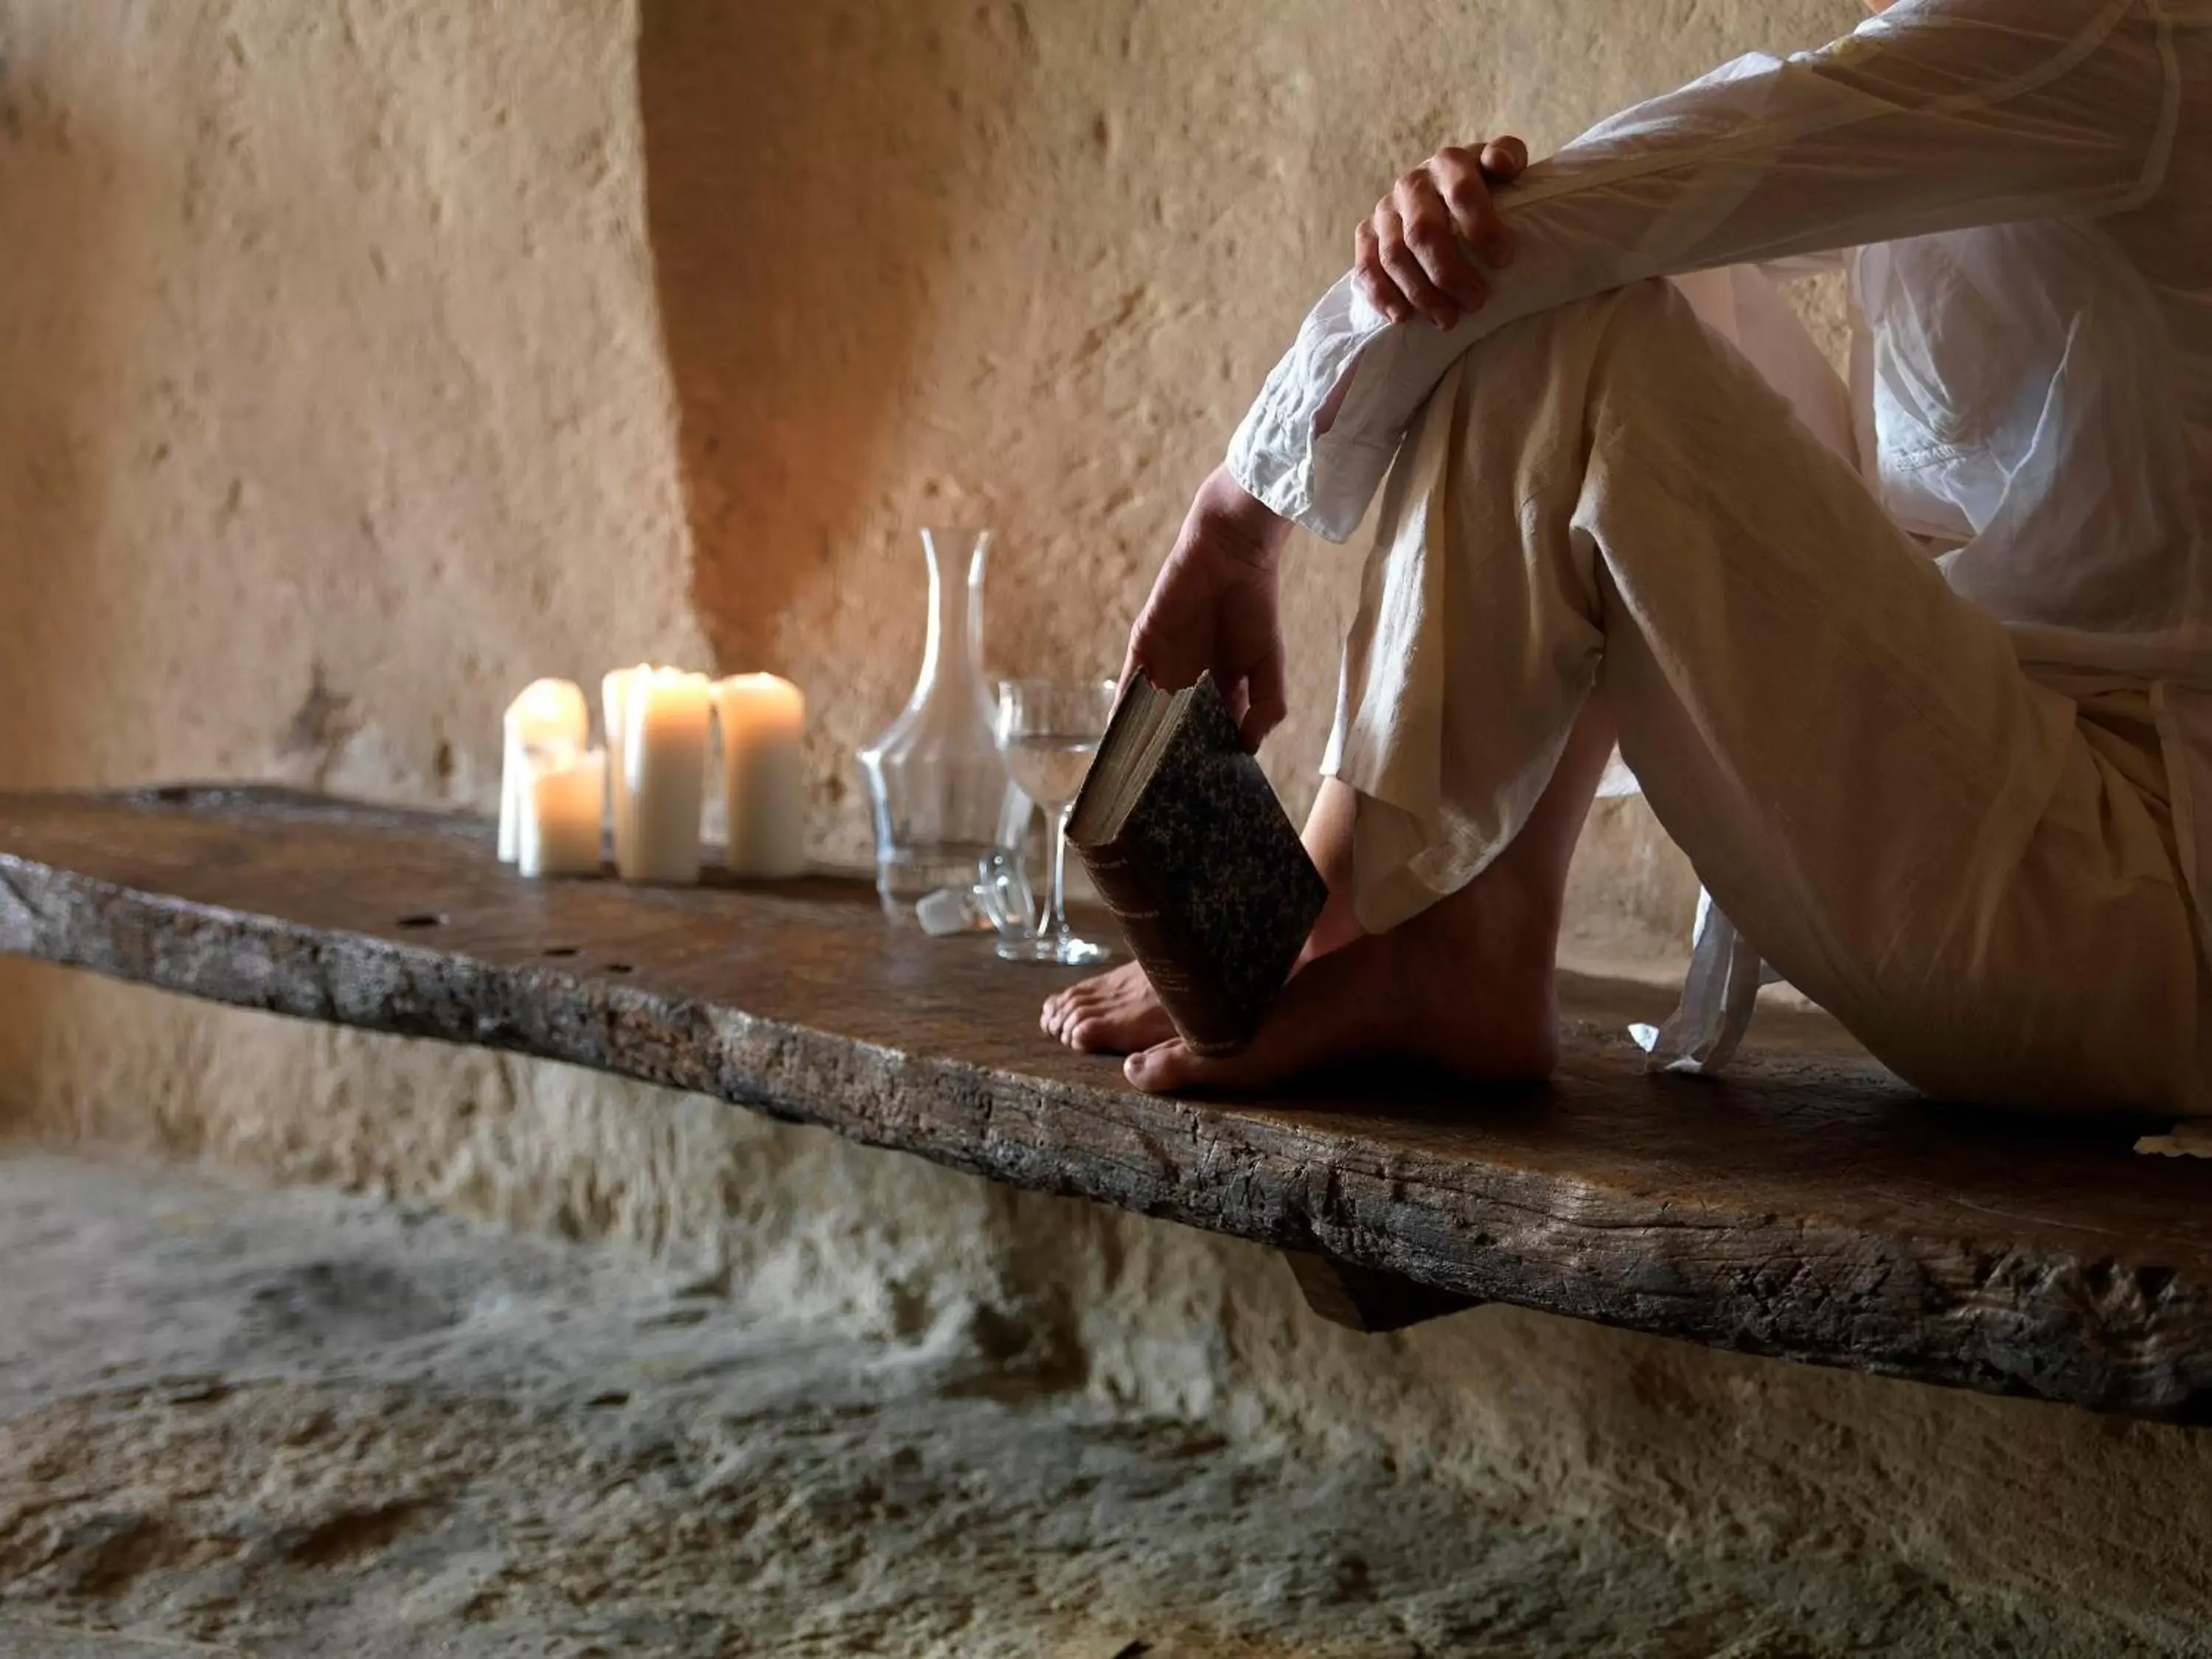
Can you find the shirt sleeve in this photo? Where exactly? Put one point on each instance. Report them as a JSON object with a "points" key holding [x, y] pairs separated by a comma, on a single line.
{"points": [[1937, 115]]}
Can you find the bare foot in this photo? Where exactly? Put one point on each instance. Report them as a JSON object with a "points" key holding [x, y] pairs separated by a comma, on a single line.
{"points": [[1468, 986], [1116, 1013], [1111, 1013]]}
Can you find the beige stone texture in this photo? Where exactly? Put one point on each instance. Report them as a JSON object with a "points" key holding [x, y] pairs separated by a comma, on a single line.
{"points": [[360, 361], [302, 1423]]}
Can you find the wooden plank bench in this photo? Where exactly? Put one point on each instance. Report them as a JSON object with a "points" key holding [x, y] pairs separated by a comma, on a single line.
{"points": [[1809, 1208]]}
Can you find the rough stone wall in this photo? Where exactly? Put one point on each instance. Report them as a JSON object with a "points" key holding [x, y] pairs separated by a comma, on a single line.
{"points": [[357, 363], [1026, 264], [332, 406]]}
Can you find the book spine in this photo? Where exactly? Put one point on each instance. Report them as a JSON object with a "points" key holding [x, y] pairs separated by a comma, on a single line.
{"points": [[1128, 892]]}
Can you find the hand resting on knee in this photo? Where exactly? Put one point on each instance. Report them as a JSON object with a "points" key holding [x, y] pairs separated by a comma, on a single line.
{"points": [[1412, 252]]}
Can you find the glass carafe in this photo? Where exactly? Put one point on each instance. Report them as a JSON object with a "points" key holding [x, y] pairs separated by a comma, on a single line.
{"points": [[936, 780]]}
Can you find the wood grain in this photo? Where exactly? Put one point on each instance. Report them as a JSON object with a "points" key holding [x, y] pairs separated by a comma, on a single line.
{"points": [[1811, 1209]]}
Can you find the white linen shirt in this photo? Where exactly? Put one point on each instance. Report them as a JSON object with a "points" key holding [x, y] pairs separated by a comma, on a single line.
{"points": [[2028, 187]]}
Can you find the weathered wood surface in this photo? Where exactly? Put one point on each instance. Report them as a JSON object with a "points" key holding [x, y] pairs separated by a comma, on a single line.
{"points": [[1809, 1208]]}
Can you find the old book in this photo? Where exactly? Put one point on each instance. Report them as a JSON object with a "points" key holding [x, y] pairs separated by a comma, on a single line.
{"points": [[1187, 845]]}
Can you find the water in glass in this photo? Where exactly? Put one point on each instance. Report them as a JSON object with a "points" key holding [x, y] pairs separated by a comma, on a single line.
{"points": [[1048, 731], [1051, 767]]}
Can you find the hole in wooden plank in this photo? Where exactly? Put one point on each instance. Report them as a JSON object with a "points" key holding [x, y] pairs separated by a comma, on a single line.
{"points": [[422, 919], [173, 794], [620, 968], [560, 949]]}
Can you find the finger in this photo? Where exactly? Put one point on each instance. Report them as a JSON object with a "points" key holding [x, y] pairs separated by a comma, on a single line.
{"points": [[1235, 694], [1270, 703], [1432, 239], [1162, 653], [1404, 271], [1382, 293], [1504, 158], [1474, 215]]}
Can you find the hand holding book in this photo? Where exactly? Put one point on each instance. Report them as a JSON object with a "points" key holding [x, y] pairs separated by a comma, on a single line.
{"points": [[1213, 608]]}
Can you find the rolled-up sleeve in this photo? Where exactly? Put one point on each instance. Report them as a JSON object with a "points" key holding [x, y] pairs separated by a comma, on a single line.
{"points": [[1938, 115]]}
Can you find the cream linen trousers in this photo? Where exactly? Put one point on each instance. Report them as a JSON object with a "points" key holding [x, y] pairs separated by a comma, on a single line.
{"points": [[1973, 868]]}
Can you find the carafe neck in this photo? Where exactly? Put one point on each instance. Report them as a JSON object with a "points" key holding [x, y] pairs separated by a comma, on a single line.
{"points": [[952, 657]]}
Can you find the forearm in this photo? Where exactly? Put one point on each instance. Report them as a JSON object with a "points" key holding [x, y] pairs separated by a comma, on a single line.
{"points": [[1952, 113], [1241, 524]]}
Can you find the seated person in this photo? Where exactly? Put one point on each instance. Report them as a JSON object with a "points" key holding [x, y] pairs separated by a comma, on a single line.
{"points": [[1936, 729]]}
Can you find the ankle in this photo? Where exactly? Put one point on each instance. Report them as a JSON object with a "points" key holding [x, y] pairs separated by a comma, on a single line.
{"points": [[1504, 919], [1338, 927], [1478, 998]]}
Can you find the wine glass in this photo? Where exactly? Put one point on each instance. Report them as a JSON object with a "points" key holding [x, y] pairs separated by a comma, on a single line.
{"points": [[1049, 730]]}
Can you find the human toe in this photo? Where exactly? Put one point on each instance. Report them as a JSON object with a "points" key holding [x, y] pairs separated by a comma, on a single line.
{"points": [[1165, 1068], [1317, 1023], [1097, 1032]]}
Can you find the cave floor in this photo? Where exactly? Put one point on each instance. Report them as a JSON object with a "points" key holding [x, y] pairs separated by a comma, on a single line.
{"points": [[240, 1421]]}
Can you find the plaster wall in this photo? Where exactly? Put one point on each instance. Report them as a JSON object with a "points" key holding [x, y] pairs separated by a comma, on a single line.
{"points": [[358, 362]]}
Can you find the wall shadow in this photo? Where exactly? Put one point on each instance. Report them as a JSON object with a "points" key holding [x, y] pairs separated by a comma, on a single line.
{"points": [[57, 185], [809, 184], [52, 449]]}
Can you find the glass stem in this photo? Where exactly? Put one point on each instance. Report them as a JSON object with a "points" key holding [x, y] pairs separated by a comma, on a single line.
{"points": [[1060, 870]]}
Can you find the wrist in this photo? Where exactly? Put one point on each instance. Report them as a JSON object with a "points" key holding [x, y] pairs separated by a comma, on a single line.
{"points": [[1239, 522]]}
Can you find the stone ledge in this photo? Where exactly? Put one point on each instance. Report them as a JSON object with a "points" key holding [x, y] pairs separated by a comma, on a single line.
{"points": [[1810, 1208]]}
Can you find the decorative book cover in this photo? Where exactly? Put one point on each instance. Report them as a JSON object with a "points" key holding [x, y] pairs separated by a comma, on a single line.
{"points": [[1189, 846]]}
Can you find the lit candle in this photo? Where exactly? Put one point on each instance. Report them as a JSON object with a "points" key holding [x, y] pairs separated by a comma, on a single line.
{"points": [[548, 712], [662, 781], [564, 806], [764, 721]]}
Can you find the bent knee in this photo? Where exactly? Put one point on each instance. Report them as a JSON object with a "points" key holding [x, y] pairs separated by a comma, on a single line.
{"points": [[1646, 333], [1654, 309]]}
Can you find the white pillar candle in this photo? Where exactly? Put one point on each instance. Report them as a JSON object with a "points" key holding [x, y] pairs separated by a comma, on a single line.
{"points": [[564, 807], [763, 723], [663, 782], [614, 705], [548, 712]]}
